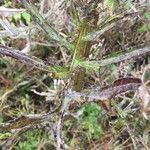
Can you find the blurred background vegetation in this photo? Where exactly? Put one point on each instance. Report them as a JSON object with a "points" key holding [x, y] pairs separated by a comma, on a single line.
{"points": [[72, 37]]}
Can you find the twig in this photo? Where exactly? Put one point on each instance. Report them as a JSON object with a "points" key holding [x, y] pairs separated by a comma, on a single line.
{"points": [[59, 127], [105, 94], [5, 12], [7, 26], [98, 96], [60, 123], [20, 32], [31, 61], [29, 120], [134, 54]]}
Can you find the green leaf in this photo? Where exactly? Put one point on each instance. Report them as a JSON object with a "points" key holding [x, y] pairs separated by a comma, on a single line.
{"points": [[4, 135], [143, 28], [7, 3], [27, 17], [147, 15], [17, 17], [88, 120], [110, 3], [30, 140], [88, 65]]}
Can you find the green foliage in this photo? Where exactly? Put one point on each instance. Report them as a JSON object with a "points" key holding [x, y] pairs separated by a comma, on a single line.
{"points": [[27, 17], [110, 3], [7, 3], [122, 113], [119, 123], [88, 121], [4, 135], [24, 16], [147, 15], [143, 28], [86, 126], [61, 72], [52, 33], [30, 140], [74, 13], [2, 61], [87, 65], [17, 17]]}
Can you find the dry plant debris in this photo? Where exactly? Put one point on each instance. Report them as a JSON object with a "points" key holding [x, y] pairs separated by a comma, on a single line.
{"points": [[76, 72]]}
